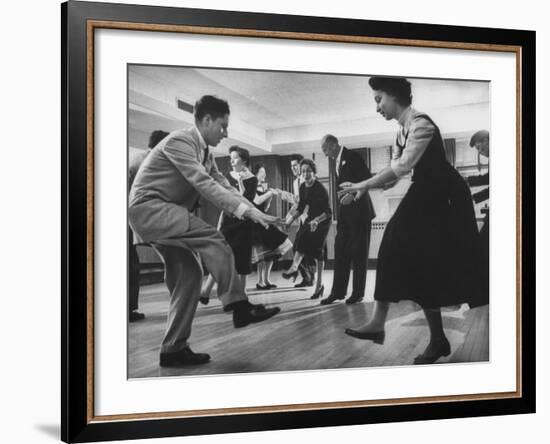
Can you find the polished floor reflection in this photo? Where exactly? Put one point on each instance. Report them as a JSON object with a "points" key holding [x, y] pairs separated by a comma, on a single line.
{"points": [[304, 336]]}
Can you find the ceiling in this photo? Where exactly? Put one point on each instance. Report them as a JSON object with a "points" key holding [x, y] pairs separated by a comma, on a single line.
{"points": [[278, 105]]}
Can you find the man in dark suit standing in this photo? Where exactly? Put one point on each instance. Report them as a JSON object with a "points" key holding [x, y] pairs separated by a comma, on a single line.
{"points": [[480, 141], [351, 246]]}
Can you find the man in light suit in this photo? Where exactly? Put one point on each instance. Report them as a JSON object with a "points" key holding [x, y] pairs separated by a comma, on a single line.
{"points": [[167, 187], [351, 246]]}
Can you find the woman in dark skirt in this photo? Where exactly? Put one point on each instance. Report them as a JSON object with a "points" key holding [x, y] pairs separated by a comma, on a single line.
{"points": [[430, 252], [241, 234], [312, 235], [268, 245], [237, 231]]}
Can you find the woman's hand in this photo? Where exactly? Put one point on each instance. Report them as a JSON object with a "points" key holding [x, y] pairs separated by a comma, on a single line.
{"points": [[352, 188], [313, 225], [263, 219]]}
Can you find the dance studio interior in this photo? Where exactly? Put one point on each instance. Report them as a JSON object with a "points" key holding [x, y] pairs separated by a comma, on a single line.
{"points": [[275, 115]]}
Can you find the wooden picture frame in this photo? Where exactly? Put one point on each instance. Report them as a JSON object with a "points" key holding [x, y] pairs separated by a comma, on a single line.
{"points": [[80, 20]]}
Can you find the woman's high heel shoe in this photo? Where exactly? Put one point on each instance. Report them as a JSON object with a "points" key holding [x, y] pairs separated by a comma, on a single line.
{"points": [[443, 350], [291, 275], [318, 293]]}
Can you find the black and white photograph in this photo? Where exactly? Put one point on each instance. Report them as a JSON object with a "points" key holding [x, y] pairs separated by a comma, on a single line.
{"points": [[285, 221], [279, 221]]}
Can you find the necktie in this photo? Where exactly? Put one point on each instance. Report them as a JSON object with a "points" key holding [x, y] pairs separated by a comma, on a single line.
{"points": [[205, 153]]}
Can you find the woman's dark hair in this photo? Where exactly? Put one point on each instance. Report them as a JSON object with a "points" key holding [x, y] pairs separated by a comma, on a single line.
{"points": [[155, 137], [297, 157], [210, 105], [398, 87], [310, 163], [242, 152], [257, 167]]}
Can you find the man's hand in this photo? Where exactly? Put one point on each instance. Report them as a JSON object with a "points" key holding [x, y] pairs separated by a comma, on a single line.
{"points": [[356, 189], [263, 219]]}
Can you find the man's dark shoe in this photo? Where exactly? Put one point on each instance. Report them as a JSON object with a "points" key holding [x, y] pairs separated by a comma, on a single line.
{"points": [[183, 357], [330, 299], [249, 314], [303, 284], [135, 316], [353, 299]]}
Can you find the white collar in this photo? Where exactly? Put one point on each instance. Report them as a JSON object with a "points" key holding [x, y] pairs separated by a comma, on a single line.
{"points": [[339, 158]]}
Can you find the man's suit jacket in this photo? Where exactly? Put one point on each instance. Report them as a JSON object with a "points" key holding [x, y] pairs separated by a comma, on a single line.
{"points": [[352, 168], [476, 181], [169, 184]]}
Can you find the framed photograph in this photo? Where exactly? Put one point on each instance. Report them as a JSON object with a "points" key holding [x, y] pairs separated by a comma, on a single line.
{"points": [[275, 222]]}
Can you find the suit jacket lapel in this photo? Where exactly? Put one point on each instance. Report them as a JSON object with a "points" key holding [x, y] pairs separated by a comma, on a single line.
{"points": [[200, 151], [342, 159]]}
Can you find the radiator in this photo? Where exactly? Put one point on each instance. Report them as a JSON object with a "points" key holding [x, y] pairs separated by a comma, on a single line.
{"points": [[376, 233]]}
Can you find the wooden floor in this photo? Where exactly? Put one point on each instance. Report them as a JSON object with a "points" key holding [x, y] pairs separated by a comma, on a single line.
{"points": [[304, 336]]}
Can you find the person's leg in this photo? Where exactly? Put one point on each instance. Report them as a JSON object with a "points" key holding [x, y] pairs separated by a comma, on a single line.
{"points": [[438, 345], [359, 261], [218, 258], [342, 266], [183, 277], [319, 287], [342, 263], [374, 329], [295, 263], [242, 277], [207, 290], [320, 267], [261, 274], [133, 280], [307, 270], [267, 272], [377, 320]]}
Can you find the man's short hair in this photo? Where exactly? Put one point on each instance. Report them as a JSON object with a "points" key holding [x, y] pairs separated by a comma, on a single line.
{"points": [[210, 105], [330, 139], [297, 157], [310, 163], [398, 87], [479, 136], [243, 153], [155, 137]]}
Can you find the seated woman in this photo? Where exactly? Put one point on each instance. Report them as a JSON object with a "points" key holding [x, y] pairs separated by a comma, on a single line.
{"points": [[312, 235], [269, 244]]}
